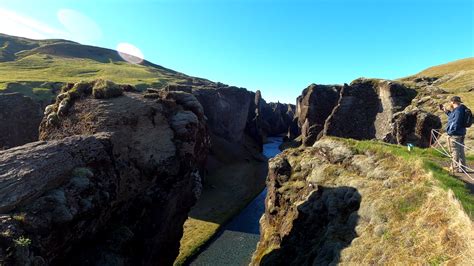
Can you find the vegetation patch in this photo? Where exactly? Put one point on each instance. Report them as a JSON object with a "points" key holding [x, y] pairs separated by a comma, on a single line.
{"points": [[22, 241], [104, 89], [431, 160]]}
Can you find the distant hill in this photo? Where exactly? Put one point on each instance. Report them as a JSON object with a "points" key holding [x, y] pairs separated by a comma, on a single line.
{"points": [[456, 76], [38, 67]]}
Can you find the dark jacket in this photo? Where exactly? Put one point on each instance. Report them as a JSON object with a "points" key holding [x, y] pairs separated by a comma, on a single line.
{"points": [[456, 121]]}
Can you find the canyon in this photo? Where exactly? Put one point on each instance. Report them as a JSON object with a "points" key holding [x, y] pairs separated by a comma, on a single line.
{"points": [[119, 171]]}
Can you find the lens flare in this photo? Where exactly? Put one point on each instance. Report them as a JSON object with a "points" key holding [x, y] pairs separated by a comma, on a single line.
{"points": [[130, 53]]}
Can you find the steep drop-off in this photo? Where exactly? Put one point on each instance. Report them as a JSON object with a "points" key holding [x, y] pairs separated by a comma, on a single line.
{"points": [[111, 184], [333, 203], [20, 117]]}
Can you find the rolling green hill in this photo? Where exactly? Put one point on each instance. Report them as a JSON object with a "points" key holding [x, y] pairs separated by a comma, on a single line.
{"points": [[38, 67]]}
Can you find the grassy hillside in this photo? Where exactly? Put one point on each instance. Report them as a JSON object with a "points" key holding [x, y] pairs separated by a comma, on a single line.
{"points": [[32, 66], [454, 77], [438, 84]]}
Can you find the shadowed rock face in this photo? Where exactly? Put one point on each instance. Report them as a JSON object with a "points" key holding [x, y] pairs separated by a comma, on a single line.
{"points": [[366, 108], [278, 118], [20, 117], [305, 223], [313, 108], [271, 119], [414, 127], [362, 110], [333, 204], [112, 184], [226, 109]]}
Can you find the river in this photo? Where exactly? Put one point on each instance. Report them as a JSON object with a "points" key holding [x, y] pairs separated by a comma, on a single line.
{"points": [[237, 240]]}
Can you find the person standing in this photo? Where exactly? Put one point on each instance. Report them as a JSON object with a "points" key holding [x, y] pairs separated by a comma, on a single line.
{"points": [[456, 131]]}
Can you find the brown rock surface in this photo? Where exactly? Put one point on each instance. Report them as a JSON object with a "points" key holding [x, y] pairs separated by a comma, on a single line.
{"points": [[20, 117], [414, 127], [312, 109], [366, 108], [112, 183], [226, 109], [336, 204]]}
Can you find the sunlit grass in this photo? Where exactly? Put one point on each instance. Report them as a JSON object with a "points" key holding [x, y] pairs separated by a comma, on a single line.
{"points": [[431, 160]]}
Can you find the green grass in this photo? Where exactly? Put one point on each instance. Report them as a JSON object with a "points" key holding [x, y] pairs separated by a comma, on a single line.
{"points": [[456, 76], [431, 160], [26, 64], [39, 67], [27, 74]]}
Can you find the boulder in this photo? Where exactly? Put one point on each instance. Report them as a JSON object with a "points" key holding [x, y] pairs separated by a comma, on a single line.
{"points": [[111, 182]]}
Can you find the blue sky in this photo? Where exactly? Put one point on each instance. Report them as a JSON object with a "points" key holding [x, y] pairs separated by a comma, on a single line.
{"points": [[279, 46]]}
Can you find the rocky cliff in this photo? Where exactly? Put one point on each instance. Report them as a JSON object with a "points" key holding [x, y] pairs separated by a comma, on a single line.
{"points": [[271, 119], [114, 177], [313, 108], [334, 203], [20, 117], [365, 109]]}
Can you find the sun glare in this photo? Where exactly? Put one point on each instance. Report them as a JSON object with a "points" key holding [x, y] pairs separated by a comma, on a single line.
{"points": [[130, 53]]}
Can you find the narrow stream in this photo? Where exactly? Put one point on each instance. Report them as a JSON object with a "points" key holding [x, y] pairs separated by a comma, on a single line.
{"points": [[236, 242]]}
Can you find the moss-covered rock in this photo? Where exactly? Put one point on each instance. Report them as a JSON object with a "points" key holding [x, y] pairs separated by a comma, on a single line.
{"points": [[104, 89]]}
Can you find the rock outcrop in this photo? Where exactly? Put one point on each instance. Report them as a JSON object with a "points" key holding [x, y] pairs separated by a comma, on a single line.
{"points": [[278, 118], [110, 184], [333, 203], [271, 119], [366, 108], [313, 108], [414, 127], [362, 110], [226, 109], [20, 117]]}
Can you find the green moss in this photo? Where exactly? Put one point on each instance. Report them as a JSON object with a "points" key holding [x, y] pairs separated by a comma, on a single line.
{"points": [[438, 260], [80, 88], [410, 202], [22, 241], [104, 89]]}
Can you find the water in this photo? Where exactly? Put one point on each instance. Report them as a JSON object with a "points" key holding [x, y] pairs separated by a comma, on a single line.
{"points": [[236, 242]]}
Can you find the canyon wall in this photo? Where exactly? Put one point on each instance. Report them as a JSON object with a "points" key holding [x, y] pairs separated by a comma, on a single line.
{"points": [[336, 204], [114, 178], [365, 109]]}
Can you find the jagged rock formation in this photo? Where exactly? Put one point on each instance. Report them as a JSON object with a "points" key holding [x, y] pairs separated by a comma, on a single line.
{"points": [[20, 117], [278, 118], [414, 127], [313, 108], [332, 203], [226, 109], [366, 108], [362, 110], [271, 119], [110, 184], [233, 112]]}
